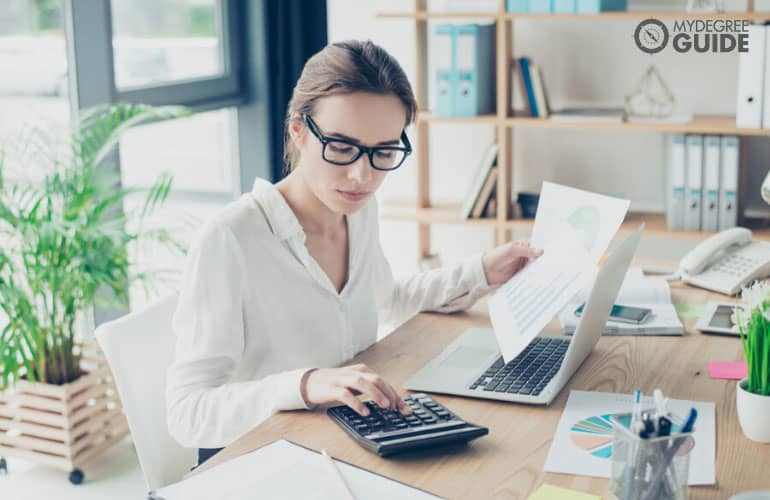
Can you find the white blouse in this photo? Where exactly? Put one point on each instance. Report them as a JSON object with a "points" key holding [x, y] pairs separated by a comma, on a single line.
{"points": [[256, 311]]}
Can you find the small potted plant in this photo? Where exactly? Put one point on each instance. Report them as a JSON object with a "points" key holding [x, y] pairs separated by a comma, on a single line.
{"points": [[64, 246], [753, 393]]}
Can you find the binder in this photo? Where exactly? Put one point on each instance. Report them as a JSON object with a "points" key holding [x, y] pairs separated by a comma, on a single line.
{"points": [[474, 62], [751, 72], [712, 145], [766, 82], [676, 188], [564, 6], [444, 104], [596, 6], [693, 200], [728, 195], [540, 6], [518, 6]]}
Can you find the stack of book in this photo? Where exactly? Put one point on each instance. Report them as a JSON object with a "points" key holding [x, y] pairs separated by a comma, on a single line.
{"points": [[532, 86], [481, 198]]}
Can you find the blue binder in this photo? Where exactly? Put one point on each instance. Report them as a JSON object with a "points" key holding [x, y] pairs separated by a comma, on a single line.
{"points": [[541, 6], [444, 104], [564, 6], [596, 6], [518, 6], [474, 61]]}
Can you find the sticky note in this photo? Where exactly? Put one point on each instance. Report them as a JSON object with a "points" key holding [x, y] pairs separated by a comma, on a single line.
{"points": [[728, 370], [689, 310], [551, 492]]}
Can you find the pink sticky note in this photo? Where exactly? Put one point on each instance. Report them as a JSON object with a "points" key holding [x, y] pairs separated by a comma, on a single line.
{"points": [[728, 370]]}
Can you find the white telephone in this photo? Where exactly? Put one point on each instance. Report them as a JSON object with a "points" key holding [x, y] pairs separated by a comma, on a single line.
{"points": [[726, 261]]}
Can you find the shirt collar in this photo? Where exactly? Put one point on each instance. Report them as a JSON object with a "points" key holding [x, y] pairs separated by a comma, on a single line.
{"points": [[279, 215]]}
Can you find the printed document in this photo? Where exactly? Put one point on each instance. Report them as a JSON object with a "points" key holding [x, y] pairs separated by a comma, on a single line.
{"points": [[574, 229]]}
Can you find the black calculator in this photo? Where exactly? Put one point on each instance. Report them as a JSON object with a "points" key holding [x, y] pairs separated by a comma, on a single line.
{"points": [[386, 432]]}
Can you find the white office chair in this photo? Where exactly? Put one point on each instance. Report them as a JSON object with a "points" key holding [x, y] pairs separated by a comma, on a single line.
{"points": [[139, 347]]}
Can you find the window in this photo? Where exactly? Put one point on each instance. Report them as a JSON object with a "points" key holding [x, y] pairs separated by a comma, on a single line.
{"points": [[201, 154], [34, 100], [157, 41]]}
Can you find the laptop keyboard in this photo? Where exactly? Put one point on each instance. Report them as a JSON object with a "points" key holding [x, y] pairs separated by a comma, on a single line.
{"points": [[529, 373]]}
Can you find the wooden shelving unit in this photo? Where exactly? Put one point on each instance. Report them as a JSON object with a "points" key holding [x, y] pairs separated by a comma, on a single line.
{"points": [[607, 16], [425, 213], [448, 213]]}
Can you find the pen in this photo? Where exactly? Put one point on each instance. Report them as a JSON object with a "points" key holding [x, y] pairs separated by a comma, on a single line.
{"points": [[652, 492], [336, 473], [630, 476], [660, 403]]}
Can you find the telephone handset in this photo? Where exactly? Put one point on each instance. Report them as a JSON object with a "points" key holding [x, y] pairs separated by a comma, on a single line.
{"points": [[726, 261]]}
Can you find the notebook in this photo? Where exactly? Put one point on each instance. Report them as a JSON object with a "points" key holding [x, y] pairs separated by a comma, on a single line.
{"points": [[283, 469], [637, 290]]}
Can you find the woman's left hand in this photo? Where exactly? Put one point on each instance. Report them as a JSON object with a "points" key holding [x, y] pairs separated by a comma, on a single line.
{"points": [[504, 261]]}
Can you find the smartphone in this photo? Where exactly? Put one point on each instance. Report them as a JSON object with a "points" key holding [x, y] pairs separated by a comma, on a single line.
{"points": [[624, 314]]}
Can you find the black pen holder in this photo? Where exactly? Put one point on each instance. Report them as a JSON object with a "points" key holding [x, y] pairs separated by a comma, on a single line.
{"points": [[655, 468]]}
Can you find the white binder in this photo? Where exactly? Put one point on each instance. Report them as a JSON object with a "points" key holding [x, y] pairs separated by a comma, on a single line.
{"points": [[693, 198], [766, 82], [712, 147], [751, 72], [728, 195], [676, 185]]}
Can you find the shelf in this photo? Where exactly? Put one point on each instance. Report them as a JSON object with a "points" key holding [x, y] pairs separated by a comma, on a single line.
{"points": [[436, 15], [638, 15], [448, 213], [427, 116], [633, 15], [700, 124]]}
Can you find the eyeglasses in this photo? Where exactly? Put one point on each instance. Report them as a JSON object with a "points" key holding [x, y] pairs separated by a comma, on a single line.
{"points": [[344, 152]]}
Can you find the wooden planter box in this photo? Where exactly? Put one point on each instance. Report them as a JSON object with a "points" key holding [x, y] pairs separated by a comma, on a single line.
{"points": [[63, 426]]}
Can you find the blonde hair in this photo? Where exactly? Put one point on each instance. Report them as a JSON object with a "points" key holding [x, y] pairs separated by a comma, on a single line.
{"points": [[344, 68]]}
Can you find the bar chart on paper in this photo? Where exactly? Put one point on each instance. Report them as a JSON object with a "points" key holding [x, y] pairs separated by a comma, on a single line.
{"points": [[522, 307]]}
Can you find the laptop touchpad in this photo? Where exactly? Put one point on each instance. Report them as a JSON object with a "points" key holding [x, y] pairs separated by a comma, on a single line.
{"points": [[465, 357]]}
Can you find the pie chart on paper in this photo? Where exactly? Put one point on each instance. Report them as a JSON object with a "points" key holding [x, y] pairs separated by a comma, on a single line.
{"points": [[594, 435]]}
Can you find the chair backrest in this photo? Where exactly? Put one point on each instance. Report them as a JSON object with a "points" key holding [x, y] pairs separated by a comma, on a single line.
{"points": [[139, 348]]}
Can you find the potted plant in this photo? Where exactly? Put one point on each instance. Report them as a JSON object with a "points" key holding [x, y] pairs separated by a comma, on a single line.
{"points": [[64, 246], [753, 393]]}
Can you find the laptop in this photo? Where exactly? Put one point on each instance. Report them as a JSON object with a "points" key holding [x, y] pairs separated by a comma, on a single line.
{"points": [[473, 366]]}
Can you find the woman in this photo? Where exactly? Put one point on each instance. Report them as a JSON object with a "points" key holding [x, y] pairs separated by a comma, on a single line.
{"points": [[290, 280]]}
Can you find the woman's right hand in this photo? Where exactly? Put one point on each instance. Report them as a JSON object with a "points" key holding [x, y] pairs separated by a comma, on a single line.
{"points": [[345, 384]]}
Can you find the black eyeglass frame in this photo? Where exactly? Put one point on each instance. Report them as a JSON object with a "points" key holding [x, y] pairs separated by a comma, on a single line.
{"points": [[361, 148]]}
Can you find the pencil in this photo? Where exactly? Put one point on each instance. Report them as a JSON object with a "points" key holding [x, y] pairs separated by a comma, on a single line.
{"points": [[336, 472]]}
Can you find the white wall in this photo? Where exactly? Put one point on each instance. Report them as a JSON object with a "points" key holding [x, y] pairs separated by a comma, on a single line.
{"points": [[584, 62]]}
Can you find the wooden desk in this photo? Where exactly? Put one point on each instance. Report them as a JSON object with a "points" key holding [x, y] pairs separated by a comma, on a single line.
{"points": [[508, 463]]}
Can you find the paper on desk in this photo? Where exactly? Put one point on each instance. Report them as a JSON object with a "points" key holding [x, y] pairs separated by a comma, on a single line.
{"points": [[284, 470], [663, 320], [637, 289], [583, 441], [522, 307], [551, 492], [594, 218]]}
